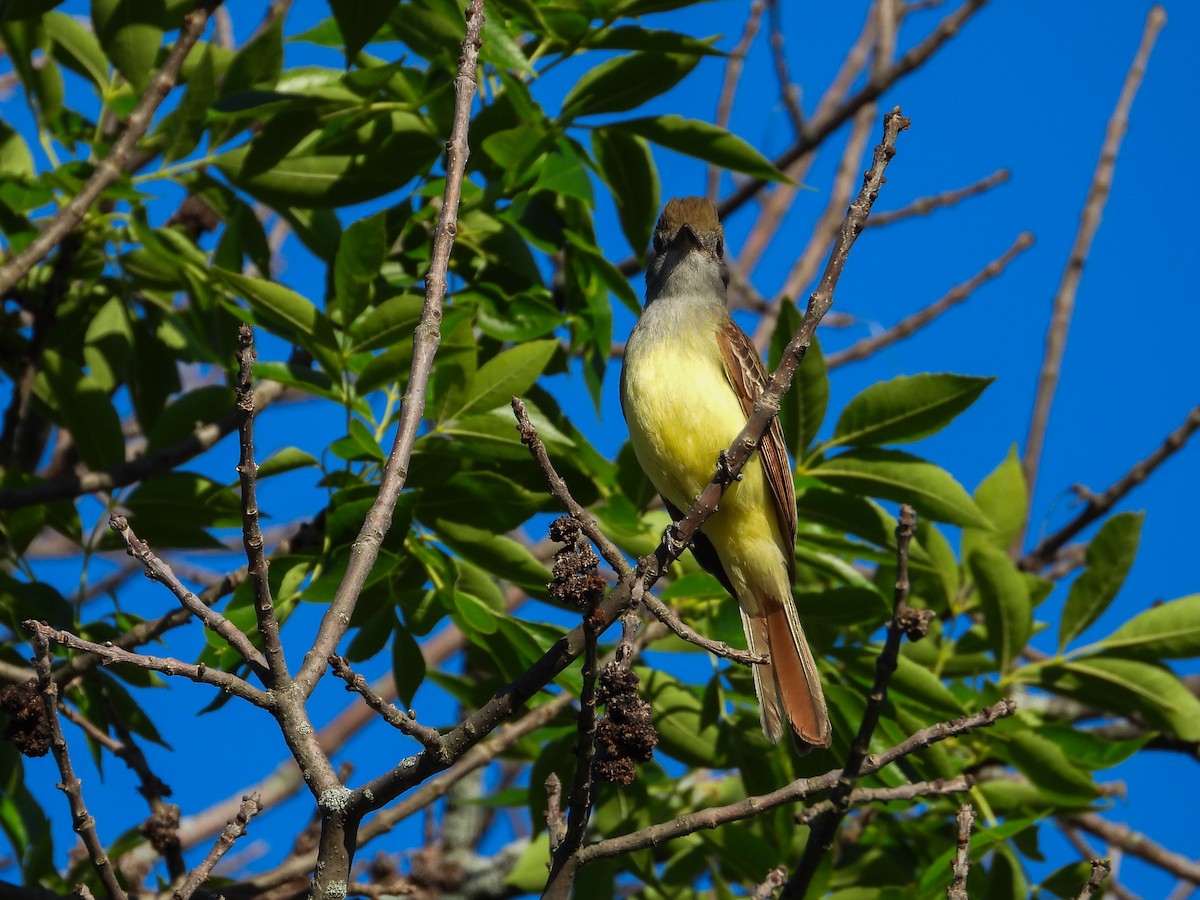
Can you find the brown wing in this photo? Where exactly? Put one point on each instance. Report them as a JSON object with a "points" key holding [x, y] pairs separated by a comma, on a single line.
{"points": [[748, 376]]}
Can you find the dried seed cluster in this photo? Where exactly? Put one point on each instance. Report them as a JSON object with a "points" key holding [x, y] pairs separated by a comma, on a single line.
{"points": [[576, 581], [27, 727], [625, 736]]}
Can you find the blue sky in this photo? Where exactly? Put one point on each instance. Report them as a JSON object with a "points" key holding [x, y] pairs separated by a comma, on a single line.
{"points": [[1027, 86]]}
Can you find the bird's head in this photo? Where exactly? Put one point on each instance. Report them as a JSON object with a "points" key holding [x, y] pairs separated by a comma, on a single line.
{"points": [[689, 248]]}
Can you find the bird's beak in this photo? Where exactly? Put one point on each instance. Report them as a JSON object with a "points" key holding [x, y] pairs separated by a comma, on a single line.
{"points": [[685, 239]]}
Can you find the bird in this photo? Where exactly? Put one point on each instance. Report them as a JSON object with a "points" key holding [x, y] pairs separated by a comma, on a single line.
{"points": [[689, 382]]}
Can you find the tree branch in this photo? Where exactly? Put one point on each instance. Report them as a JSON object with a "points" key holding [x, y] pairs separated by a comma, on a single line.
{"points": [[692, 822], [109, 169], [923, 206], [141, 468], [84, 824], [1139, 845], [915, 624], [1089, 223], [733, 74], [252, 539], [108, 652], [1100, 870], [159, 571], [405, 723], [910, 325], [1098, 504], [426, 339], [962, 855], [234, 830], [861, 796]]}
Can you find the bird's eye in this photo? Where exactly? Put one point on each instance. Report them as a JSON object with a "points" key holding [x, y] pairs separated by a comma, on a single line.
{"points": [[720, 248]]}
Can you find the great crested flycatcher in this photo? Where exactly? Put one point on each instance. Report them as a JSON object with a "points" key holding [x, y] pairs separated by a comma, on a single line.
{"points": [[690, 380]]}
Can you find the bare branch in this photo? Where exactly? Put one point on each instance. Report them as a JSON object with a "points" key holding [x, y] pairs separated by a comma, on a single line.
{"points": [[1089, 223], [109, 169], [426, 339], [733, 74], [109, 652], [667, 616], [789, 92], [203, 438], [908, 326], [1139, 845], [252, 539], [923, 206], [612, 555], [773, 882], [1099, 504], [556, 823], [689, 823], [962, 855], [84, 824], [1100, 870], [819, 127], [861, 796], [159, 571], [404, 722], [234, 830], [905, 621]]}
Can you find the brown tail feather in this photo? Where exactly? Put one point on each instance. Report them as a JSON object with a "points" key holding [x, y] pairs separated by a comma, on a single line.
{"points": [[788, 686]]}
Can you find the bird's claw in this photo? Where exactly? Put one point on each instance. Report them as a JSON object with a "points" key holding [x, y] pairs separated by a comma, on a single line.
{"points": [[725, 470]]}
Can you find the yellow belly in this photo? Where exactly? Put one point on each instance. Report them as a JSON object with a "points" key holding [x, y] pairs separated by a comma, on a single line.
{"points": [[682, 412]]}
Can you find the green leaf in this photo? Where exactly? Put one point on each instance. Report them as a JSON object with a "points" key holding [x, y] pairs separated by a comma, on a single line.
{"points": [[634, 37], [506, 375], [1003, 499], [1049, 767], [76, 47], [626, 82], [528, 874], [360, 255], [83, 408], [1004, 599], [677, 718], [286, 459], [705, 141], [477, 616], [1109, 558], [496, 553], [627, 167], [907, 408], [130, 31], [1128, 686], [391, 321], [358, 20], [904, 478], [408, 664], [802, 408], [1166, 631], [15, 158]]}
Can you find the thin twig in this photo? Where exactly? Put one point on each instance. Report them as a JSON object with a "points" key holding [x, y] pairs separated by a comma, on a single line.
{"points": [[860, 796], [962, 854], [141, 468], [923, 206], [583, 784], [819, 127], [404, 722], [612, 555], [691, 822], [769, 885], [84, 824], [109, 169], [234, 830], [1100, 870], [1087, 852], [789, 92], [159, 571], [905, 621], [1139, 845], [667, 616], [556, 823], [1099, 504], [108, 652], [733, 74], [909, 325], [252, 539], [426, 339], [1068, 287], [825, 231]]}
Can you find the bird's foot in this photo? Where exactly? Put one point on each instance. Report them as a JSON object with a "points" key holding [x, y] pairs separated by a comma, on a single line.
{"points": [[725, 470]]}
